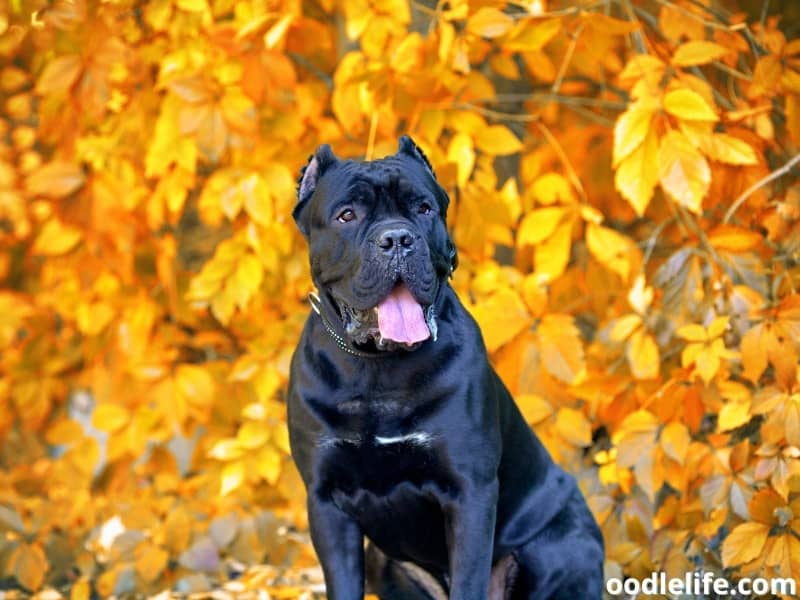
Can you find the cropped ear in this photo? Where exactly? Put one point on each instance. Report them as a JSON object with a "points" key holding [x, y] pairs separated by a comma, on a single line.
{"points": [[407, 146], [310, 175]]}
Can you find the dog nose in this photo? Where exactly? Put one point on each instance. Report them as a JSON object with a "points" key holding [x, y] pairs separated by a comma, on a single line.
{"points": [[396, 239]]}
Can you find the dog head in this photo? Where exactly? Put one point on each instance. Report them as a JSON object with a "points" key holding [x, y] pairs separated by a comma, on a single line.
{"points": [[378, 242]]}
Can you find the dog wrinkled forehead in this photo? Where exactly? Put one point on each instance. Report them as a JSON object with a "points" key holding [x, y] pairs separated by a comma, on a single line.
{"points": [[401, 173]]}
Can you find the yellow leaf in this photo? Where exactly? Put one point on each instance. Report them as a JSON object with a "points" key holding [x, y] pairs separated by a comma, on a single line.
{"points": [[150, 561], [55, 179], [744, 543], [461, 152], [501, 317], [533, 407], [278, 31], [561, 347], [611, 249], [269, 464], [675, 441], [622, 328], [707, 363], [718, 327], [59, 74], [56, 238], [29, 565], [636, 177], [635, 437], [693, 333], [280, 437], [552, 255], [252, 435], [643, 356], [489, 23], [226, 449], [65, 431], [688, 104], [232, 477], [497, 140], [574, 427], [551, 188], [81, 590], [640, 296], [531, 35], [698, 52], [539, 224], [728, 149], [733, 414], [631, 129], [110, 417], [683, 171], [195, 384]]}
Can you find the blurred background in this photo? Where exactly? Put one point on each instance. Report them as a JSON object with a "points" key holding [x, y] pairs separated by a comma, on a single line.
{"points": [[625, 202]]}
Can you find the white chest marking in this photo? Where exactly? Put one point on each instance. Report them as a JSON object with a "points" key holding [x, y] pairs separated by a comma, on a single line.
{"points": [[419, 438]]}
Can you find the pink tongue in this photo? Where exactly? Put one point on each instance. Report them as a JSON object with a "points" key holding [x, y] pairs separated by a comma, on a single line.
{"points": [[400, 317]]}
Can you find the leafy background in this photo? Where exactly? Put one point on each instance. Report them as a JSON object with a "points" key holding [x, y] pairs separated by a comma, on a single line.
{"points": [[627, 213]]}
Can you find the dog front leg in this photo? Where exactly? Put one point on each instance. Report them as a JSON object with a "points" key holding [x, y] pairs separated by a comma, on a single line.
{"points": [[339, 544], [470, 522]]}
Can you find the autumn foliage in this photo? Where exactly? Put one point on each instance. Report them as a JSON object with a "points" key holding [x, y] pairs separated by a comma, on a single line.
{"points": [[626, 209]]}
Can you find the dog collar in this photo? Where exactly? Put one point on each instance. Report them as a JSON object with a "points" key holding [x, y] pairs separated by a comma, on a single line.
{"points": [[316, 305]]}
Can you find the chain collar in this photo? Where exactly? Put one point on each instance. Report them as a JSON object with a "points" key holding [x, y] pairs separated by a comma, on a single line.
{"points": [[316, 304]]}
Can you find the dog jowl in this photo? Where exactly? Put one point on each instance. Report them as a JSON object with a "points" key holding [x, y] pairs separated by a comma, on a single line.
{"points": [[402, 431]]}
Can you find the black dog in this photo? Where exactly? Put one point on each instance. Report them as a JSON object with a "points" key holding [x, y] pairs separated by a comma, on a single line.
{"points": [[401, 429]]}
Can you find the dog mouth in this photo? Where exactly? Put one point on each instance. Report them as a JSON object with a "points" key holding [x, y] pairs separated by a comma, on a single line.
{"points": [[398, 321]]}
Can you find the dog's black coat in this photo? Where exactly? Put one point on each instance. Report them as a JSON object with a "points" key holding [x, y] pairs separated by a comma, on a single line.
{"points": [[421, 450]]}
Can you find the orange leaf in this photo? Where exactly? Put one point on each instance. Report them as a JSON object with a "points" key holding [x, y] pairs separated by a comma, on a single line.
{"points": [[675, 441], [736, 239], [55, 179], [150, 561], [59, 74]]}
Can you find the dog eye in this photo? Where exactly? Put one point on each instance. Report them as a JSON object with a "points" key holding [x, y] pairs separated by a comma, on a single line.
{"points": [[346, 216], [424, 208]]}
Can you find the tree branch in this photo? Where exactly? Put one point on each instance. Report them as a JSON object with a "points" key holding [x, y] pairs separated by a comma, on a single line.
{"points": [[758, 184]]}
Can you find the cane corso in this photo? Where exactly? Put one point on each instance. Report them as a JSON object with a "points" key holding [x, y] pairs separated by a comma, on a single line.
{"points": [[402, 431]]}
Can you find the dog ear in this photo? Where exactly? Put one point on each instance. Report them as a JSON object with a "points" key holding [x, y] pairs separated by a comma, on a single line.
{"points": [[407, 146], [310, 175]]}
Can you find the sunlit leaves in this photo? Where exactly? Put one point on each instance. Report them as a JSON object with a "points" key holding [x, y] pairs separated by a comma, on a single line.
{"points": [[683, 172], [156, 284]]}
